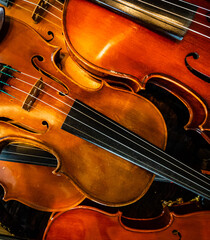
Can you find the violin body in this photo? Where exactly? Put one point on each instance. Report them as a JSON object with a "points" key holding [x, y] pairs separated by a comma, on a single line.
{"points": [[110, 226], [44, 19], [104, 146], [34, 185], [106, 42], [123, 181], [109, 44], [28, 183]]}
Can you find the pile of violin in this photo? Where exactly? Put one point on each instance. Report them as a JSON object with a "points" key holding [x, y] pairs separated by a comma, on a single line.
{"points": [[104, 118]]}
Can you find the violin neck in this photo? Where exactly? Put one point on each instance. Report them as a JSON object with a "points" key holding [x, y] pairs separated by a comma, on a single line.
{"points": [[170, 17], [87, 123]]}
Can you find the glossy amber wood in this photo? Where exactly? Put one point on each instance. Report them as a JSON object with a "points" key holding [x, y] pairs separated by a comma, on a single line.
{"points": [[197, 107], [99, 174], [51, 22], [106, 43], [35, 186], [93, 224]]}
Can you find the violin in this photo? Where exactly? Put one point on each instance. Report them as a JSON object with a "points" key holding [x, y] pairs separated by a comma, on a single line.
{"points": [[108, 141], [26, 175], [111, 226], [143, 40], [43, 16]]}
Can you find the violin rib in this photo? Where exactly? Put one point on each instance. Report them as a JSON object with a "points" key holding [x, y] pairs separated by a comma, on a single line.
{"points": [[33, 185], [110, 176], [127, 48], [85, 219]]}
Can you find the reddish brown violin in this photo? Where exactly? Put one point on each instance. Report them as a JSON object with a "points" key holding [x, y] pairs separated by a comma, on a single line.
{"points": [[43, 16], [107, 141], [30, 180], [156, 41], [27, 181], [87, 223]]}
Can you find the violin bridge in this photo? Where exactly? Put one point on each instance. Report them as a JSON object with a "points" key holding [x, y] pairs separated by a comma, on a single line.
{"points": [[32, 96], [40, 10]]}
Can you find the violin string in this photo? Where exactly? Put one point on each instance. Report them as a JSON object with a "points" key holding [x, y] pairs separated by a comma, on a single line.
{"points": [[42, 9], [145, 12], [37, 14], [59, 2], [175, 14], [19, 161], [53, 6], [85, 114], [89, 116], [102, 133], [37, 5], [150, 167], [30, 161], [29, 155], [25, 147], [188, 9], [130, 5], [38, 150], [147, 166], [42, 90], [194, 5], [25, 154], [85, 106], [15, 153]]}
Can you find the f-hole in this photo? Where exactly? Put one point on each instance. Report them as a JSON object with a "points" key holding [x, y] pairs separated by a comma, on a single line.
{"points": [[50, 33], [175, 232], [194, 71]]}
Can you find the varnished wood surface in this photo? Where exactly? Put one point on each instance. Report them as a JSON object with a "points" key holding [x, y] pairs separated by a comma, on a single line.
{"points": [[51, 21], [106, 43], [35, 186], [20, 183], [92, 224], [111, 42], [98, 173]]}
